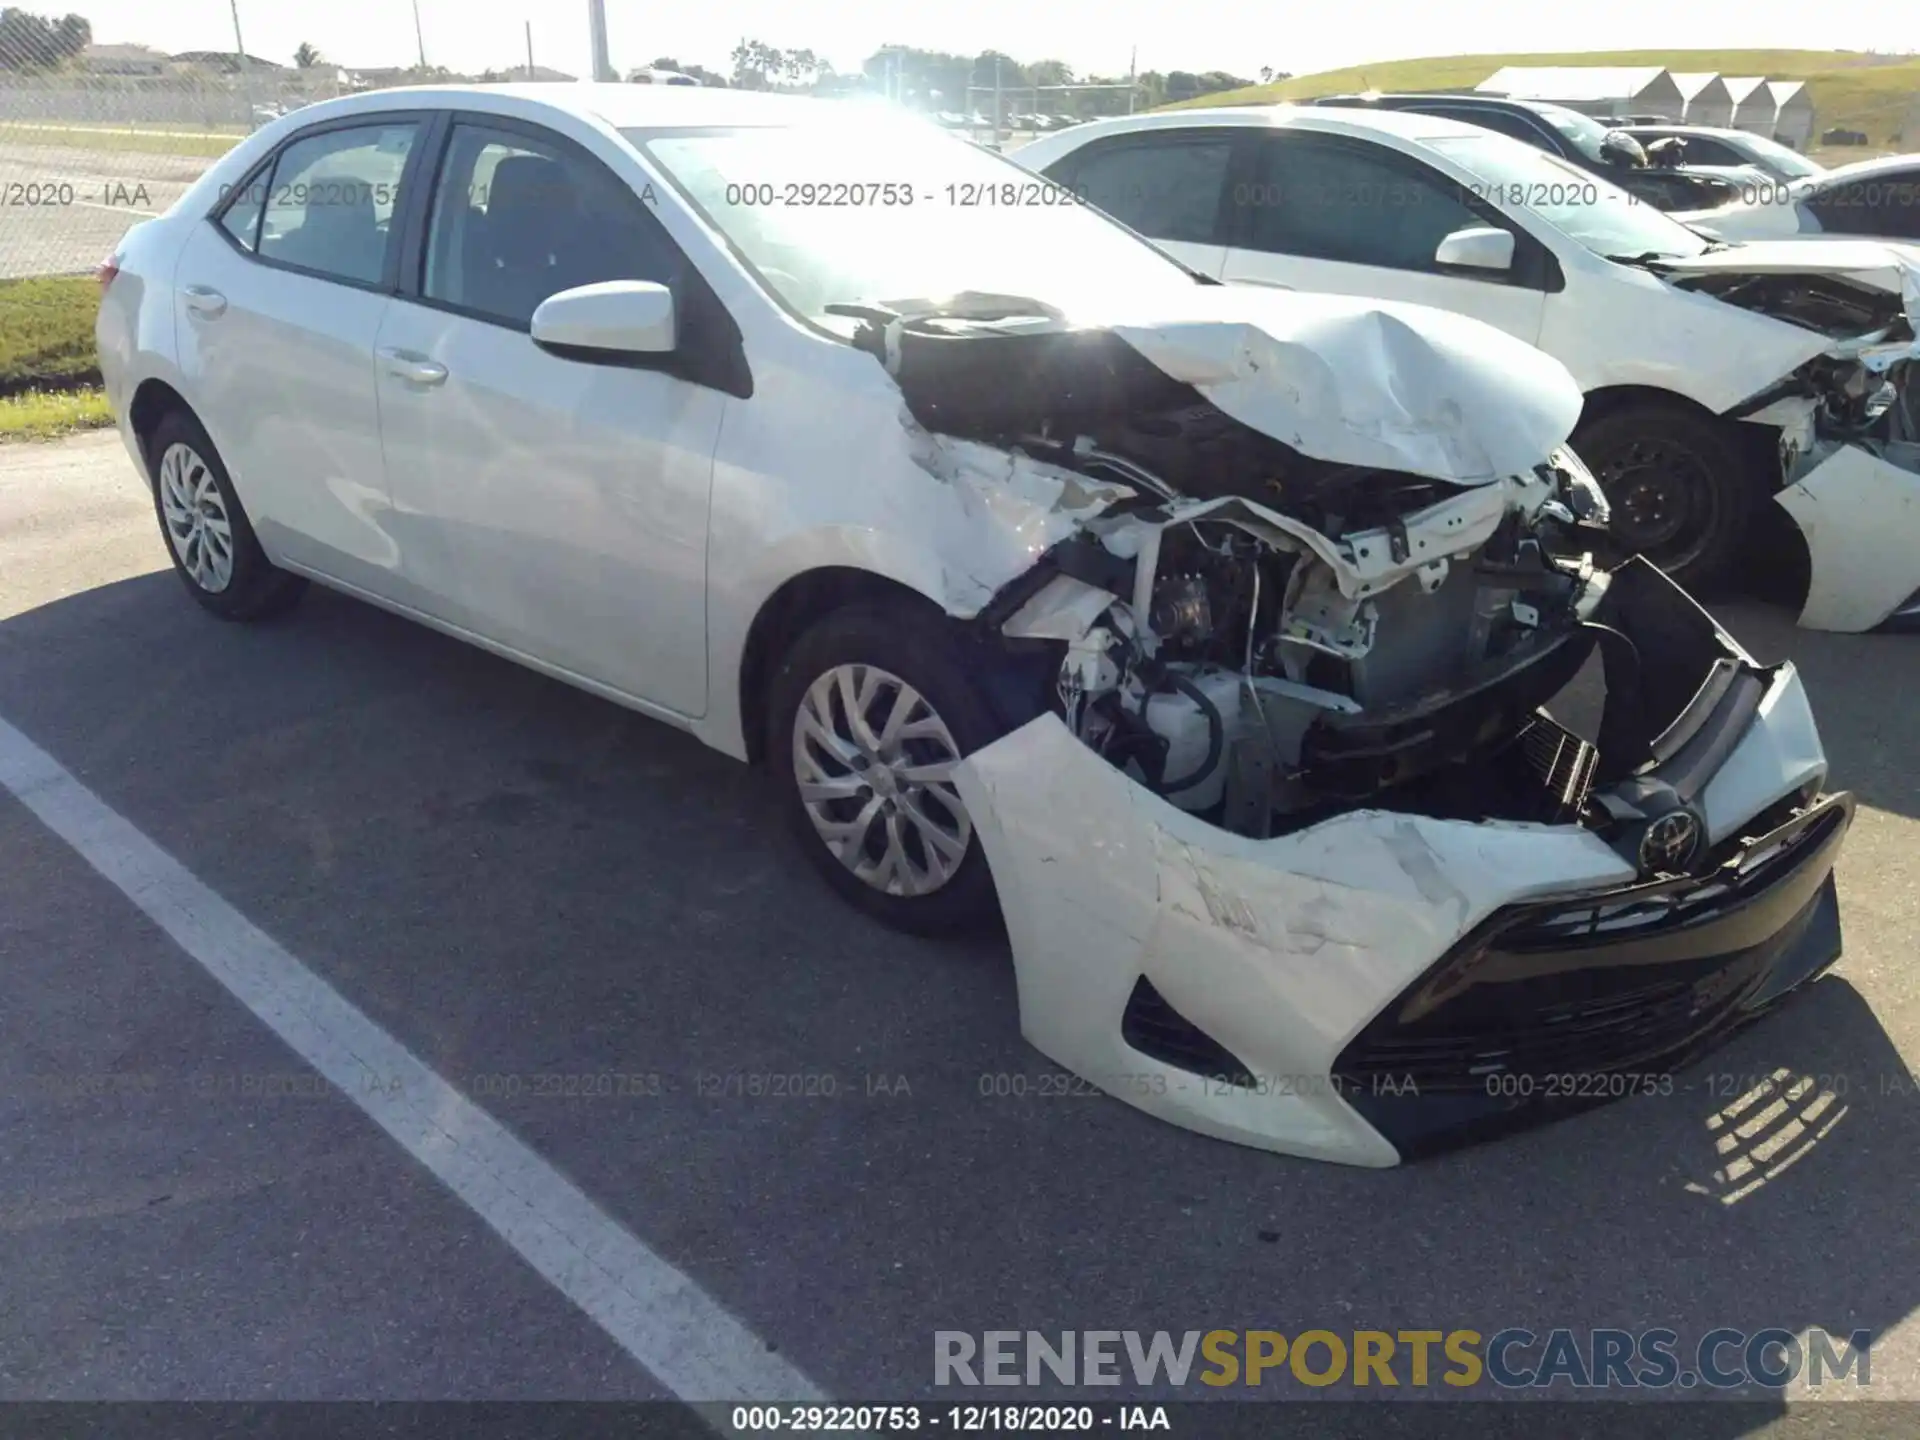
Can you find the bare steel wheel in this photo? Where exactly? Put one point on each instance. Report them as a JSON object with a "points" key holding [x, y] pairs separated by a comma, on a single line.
{"points": [[195, 518], [874, 764], [1682, 483], [209, 537], [869, 716]]}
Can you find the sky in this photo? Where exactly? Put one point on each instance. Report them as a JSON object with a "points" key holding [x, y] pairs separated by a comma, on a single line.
{"points": [[1092, 36]]}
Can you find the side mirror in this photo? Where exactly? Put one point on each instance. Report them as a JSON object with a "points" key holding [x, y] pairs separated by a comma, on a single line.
{"points": [[615, 317], [1478, 247]]}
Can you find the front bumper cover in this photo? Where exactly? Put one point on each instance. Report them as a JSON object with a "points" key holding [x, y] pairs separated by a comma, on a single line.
{"points": [[1239, 987]]}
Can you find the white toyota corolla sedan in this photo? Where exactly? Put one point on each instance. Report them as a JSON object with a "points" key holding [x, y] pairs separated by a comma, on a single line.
{"points": [[1206, 634], [1716, 376]]}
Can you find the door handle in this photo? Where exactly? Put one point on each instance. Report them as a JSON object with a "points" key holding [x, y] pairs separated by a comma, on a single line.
{"points": [[205, 301], [414, 368]]}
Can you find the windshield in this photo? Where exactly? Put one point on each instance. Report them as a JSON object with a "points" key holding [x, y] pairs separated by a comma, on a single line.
{"points": [[1598, 214], [1583, 131], [893, 210], [1783, 158]]}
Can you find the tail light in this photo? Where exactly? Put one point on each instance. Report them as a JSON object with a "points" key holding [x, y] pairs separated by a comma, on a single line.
{"points": [[106, 271]]}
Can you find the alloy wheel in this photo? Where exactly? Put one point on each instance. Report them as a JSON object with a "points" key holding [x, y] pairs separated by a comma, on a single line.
{"points": [[874, 763], [197, 524]]}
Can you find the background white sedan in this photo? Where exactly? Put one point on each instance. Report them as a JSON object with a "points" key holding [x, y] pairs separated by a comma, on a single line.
{"points": [[1705, 366]]}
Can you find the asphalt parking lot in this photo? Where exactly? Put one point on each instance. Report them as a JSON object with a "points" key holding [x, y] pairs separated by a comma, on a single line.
{"points": [[516, 881]]}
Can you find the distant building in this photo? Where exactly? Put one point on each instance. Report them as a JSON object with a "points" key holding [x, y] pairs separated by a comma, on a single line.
{"points": [[1708, 102], [222, 62], [1752, 103], [122, 60], [1792, 112], [1604, 90], [379, 77]]}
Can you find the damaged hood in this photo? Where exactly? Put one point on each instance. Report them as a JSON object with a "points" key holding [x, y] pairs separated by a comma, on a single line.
{"points": [[1886, 267], [1365, 382]]}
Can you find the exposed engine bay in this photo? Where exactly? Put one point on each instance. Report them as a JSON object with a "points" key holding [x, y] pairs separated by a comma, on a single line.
{"points": [[1264, 639], [1328, 747]]}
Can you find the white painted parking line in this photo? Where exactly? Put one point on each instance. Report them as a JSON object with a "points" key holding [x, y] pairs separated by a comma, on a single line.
{"points": [[652, 1310]]}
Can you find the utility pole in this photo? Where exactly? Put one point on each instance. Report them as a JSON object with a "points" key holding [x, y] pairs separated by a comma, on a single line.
{"points": [[1133, 61], [419, 36], [996, 97], [240, 59], [597, 31], [529, 50]]}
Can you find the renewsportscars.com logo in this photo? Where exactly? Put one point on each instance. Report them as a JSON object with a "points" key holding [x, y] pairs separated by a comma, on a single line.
{"points": [[1598, 1359]]}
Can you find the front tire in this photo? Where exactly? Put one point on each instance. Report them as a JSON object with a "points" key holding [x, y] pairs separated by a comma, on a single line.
{"points": [[1682, 489], [869, 714], [208, 535]]}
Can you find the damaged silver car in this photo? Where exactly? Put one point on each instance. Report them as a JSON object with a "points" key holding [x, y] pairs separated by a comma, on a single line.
{"points": [[1246, 651]]}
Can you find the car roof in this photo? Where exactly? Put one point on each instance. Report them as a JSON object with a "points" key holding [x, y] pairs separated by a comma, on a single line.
{"points": [[1389, 97], [623, 106], [1328, 118], [1866, 169], [1718, 132]]}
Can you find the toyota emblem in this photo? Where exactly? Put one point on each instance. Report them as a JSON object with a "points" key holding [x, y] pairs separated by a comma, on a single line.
{"points": [[1669, 843]]}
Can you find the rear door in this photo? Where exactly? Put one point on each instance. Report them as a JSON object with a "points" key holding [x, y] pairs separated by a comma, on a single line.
{"points": [[1334, 213], [554, 505], [1169, 185], [280, 297]]}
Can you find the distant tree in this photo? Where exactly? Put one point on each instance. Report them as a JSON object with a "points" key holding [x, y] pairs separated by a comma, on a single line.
{"points": [[1012, 72], [755, 64], [1049, 72], [1217, 80], [666, 62], [39, 42], [306, 57]]}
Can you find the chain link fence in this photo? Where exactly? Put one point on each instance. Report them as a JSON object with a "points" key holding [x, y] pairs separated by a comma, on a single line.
{"points": [[84, 155]]}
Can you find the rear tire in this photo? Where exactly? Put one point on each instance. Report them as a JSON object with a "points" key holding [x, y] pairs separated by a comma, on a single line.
{"points": [[207, 533], [1683, 489], [869, 801]]}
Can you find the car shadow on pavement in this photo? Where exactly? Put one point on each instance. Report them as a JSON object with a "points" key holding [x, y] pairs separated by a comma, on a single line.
{"points": [[522, 881], [1865, 691]]}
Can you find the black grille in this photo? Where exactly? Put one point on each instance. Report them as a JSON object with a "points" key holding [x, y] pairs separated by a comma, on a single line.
{"points": [[1155, 1028], [1564, 764], [1606, 1033]]}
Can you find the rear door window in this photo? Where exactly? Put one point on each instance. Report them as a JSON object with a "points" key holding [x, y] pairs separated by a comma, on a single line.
{"points": [[330, 202], [1167, 187]]}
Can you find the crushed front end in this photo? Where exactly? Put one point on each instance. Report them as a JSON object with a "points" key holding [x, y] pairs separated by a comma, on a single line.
{"points": [[1364, 813], [1848, 419]]}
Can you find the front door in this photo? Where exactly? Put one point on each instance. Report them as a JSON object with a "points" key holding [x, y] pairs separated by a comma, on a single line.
{"points": [[556, 506]]}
